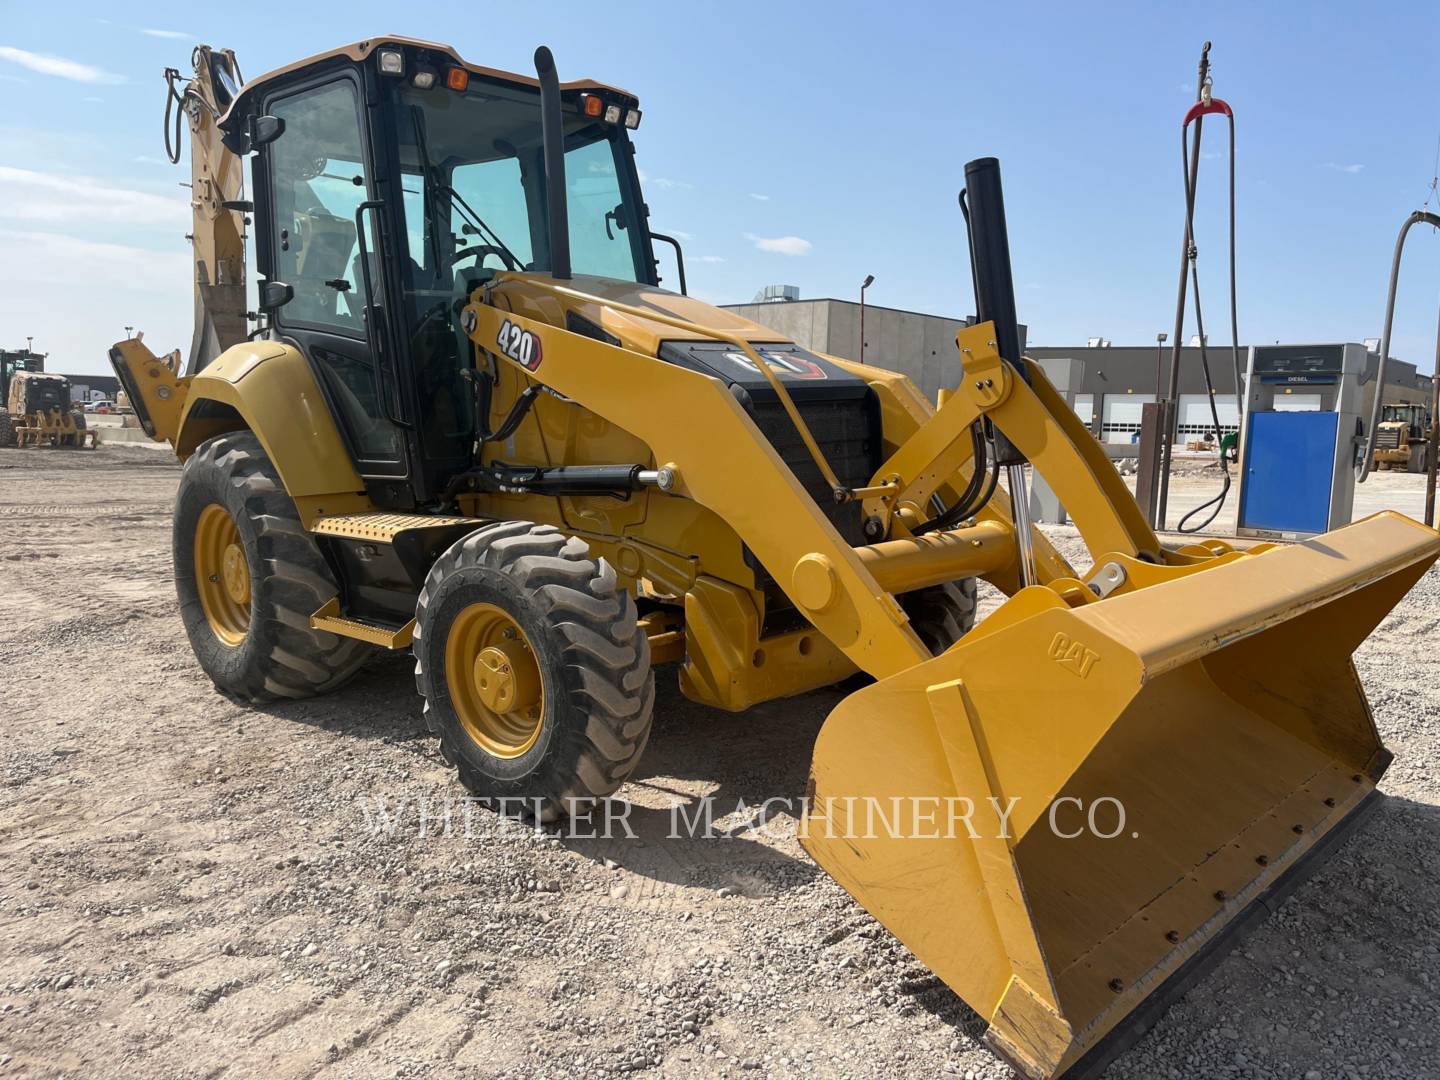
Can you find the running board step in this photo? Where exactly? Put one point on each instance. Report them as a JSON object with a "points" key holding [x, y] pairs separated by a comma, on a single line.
{"points": [[329, 619], [383, 527]]}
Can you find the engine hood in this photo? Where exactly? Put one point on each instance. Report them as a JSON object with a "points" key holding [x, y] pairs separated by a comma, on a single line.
{"points": [[523, 293]]}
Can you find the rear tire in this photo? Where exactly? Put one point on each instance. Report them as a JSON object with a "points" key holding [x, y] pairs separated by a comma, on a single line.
{"points": [[941, 614], [251, 632], [571, 630], [1416, 464]]}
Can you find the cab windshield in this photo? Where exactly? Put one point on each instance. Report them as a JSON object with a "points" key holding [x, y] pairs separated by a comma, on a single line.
{"points": [[474, 195], [473, 202]]}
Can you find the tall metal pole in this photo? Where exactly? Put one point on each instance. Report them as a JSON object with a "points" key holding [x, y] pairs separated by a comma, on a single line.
{"points": [[1168, 439], [1159, 364], [1432, 437], [869, 280]]}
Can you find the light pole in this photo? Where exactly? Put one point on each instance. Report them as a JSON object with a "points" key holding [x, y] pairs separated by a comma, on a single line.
{"points": [[869, 280], [128, 332], [1159, 363]]}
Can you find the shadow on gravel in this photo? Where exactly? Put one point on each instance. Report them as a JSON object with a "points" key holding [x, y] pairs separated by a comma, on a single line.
{"points": [[715, 797], [379, 703], [734, 763]]}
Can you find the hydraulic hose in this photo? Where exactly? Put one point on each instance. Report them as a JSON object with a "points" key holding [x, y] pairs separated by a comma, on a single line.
{"points": [[1218, 502], [1362, 467]]}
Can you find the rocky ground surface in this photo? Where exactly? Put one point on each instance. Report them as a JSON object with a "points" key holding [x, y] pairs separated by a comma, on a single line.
{"points": [[190, 888]]}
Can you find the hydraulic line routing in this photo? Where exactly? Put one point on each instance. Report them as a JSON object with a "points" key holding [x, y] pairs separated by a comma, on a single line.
{"points": [[1205, 104]]}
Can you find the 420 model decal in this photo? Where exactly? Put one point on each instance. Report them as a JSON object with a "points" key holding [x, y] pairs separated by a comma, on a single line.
{"points": [[519, 344]]}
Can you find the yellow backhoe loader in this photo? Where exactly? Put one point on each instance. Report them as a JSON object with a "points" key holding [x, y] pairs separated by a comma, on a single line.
{"points": [[470, 423]]}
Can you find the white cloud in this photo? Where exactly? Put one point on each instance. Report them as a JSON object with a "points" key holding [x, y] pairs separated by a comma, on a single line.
{"points": [[710, 259], [146, 159], [758, 197], [58, 66], [780, 245], [660, 181], [681, 235], [56, 258], [172, 34], [1352, 169], [27, 195], [147, 289]]}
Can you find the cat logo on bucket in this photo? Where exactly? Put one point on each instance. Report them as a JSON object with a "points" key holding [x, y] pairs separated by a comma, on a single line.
{"points": [[1070, 654]]}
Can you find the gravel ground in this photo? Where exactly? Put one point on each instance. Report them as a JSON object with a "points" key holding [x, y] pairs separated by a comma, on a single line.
{"points": [[190, 888]]}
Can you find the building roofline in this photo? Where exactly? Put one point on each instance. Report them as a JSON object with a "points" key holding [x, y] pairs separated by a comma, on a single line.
{"points": [[851, 303]]}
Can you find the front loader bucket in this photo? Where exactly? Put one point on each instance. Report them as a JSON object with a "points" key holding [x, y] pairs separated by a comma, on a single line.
{"points": [[1146, 772]]}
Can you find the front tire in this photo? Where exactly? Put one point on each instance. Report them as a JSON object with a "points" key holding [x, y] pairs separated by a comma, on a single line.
{"points": [[249, 577], [534, 670], [941, 615]]}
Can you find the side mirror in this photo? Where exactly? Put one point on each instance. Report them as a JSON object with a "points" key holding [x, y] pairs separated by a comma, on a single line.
{"points": [[265, 130], [275, 294], [259, 131]]}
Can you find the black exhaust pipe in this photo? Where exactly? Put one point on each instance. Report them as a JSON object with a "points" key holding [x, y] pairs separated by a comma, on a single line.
{"points": [[990, 257], [984, 206], [552, 129]]}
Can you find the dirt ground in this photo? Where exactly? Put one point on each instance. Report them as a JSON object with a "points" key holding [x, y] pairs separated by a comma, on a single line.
{"points": [[189, 888]]}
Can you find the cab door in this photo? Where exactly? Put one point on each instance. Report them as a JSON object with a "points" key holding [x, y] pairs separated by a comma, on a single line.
{"points": [[315, 188]]}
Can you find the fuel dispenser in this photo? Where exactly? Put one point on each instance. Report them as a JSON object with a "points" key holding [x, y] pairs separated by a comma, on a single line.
{"points": [[1300, 436]]}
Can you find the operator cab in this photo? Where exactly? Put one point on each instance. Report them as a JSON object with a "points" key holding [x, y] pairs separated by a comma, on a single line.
{"points": [[400, 179]]}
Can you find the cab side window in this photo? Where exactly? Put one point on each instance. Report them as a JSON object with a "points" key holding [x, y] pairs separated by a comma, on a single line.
{"points": [[318, 181]]}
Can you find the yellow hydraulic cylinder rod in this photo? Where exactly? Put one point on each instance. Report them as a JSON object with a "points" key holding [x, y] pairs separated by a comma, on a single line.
{"points": [[934, 558]]}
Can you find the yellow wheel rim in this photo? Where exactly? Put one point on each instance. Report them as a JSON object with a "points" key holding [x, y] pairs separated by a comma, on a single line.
{"points": [[494, 681], [222, 574]]}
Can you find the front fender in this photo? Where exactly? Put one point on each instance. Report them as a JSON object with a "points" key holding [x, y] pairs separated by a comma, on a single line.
{"points": [[267, 387]]}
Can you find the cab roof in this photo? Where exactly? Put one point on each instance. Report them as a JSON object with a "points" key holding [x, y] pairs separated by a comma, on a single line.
{"points": [[360, 50]]}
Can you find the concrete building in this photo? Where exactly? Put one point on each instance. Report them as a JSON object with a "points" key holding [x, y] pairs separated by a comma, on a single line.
{"points": [[1112, 385]]}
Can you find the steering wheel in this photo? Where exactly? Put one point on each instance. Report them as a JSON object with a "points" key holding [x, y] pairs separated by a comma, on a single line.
{"points": [[478, 252]]}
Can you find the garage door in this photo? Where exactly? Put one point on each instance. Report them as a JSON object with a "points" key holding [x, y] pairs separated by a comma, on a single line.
{"points": [[1085, 408], [1120, 417], [1195, 420]]}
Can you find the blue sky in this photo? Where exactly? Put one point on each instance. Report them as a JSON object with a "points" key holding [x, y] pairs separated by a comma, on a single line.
{"points": [[811, 145]]}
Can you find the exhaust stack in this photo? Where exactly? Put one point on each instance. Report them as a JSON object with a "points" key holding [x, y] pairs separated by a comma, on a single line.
{"points": [[553, 131], [990, 257]]}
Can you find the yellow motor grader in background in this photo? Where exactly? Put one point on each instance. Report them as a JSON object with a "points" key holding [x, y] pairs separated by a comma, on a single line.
{"points": [[470, 423], [41, 413]]}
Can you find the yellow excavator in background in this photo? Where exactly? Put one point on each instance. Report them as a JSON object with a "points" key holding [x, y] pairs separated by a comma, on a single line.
{"points": [[470, 423]]}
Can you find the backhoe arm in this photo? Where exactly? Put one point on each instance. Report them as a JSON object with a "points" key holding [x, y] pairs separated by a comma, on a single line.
{"points": [[217, 185]]}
